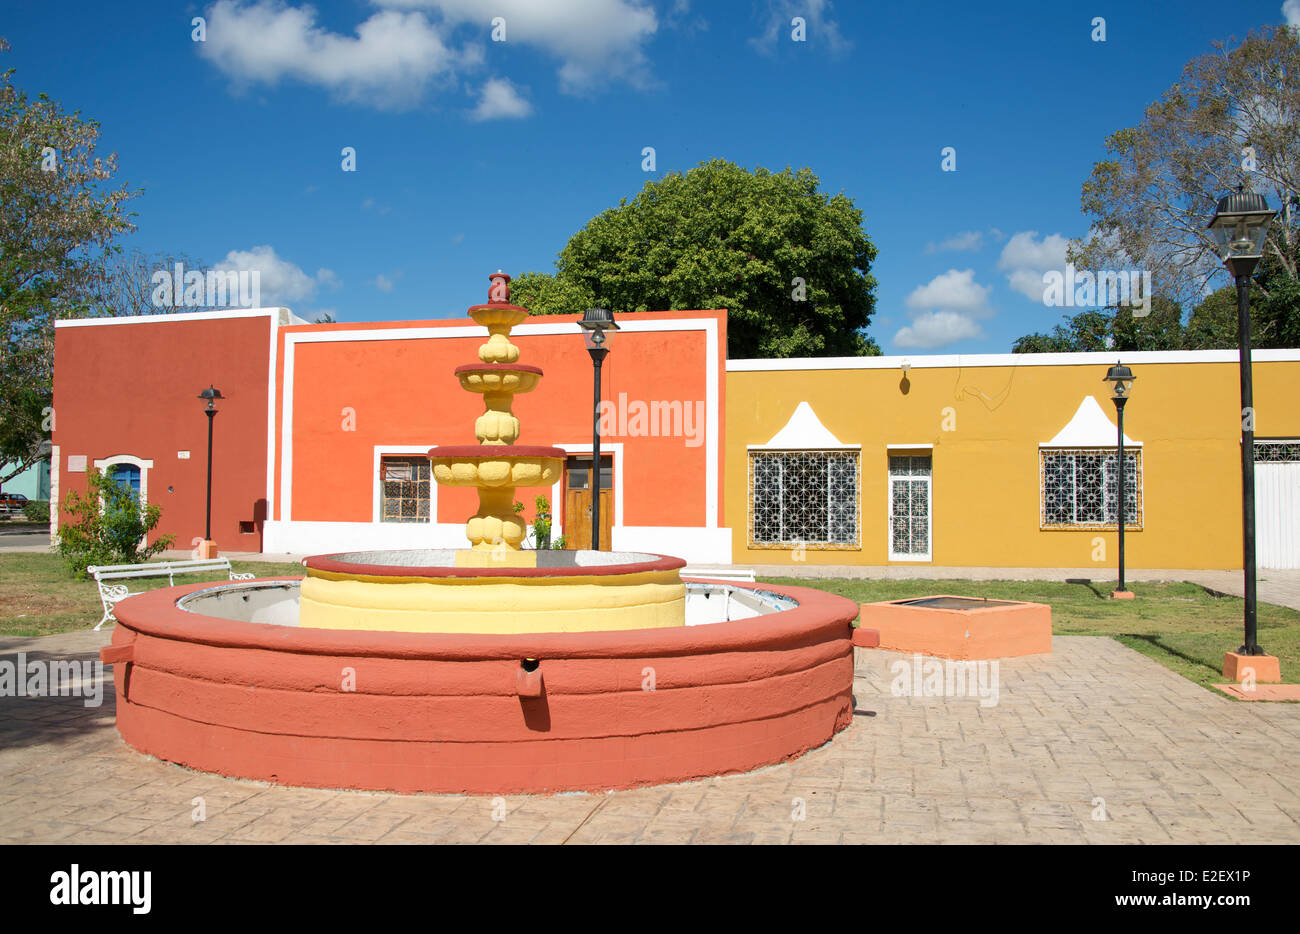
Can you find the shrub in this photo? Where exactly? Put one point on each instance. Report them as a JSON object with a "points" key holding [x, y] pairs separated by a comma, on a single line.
{"points": [[107, 526], [36, 510]]}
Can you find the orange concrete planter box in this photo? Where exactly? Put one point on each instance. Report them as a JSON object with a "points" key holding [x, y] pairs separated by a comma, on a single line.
{"points": [[1266, 668], [985, 629], [462, 713]]}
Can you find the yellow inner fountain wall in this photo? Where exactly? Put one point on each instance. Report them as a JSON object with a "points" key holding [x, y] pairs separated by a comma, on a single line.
{"points": [[651, 600]]}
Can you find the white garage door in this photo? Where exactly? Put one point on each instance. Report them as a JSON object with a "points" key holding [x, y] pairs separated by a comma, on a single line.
{"points": [[1277, 503]]}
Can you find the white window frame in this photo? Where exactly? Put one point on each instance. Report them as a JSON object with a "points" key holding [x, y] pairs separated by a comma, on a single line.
{"points": [[917, 451], [377, 497], [103, 463], [855, 545]]}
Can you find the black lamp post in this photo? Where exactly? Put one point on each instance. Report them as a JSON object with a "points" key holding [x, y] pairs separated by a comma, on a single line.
{"points": [[595, 323], [1239, 226], [1121, 379], [211, 394]]}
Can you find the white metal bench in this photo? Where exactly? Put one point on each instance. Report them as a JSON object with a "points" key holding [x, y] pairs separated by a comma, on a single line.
{"points": [[745, 575], [112, 594]]}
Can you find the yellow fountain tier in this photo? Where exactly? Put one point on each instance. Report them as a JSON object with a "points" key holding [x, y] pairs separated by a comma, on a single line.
{"points": [[498, 318], [427, 591], [498, 377], [496, 465]]}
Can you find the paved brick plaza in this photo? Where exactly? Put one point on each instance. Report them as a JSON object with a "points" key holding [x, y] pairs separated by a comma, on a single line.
{"points": [[1173, 762]]}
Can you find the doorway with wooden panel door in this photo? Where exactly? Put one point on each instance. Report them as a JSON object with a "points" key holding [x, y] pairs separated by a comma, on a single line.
{"points": [[577, 501]]}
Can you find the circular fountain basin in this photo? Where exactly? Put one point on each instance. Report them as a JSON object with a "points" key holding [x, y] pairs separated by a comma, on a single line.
{"points": [[466, 590], [222, 679]]}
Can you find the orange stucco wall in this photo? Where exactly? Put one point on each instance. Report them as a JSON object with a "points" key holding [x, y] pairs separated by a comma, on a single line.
{"points": [[131, 388], [349, 395]]}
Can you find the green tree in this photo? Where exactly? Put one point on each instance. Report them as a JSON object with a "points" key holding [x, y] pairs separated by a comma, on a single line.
{"points": [[789, 263], [57, 228], [108, 525], [1114, 328], [1233, 118]]}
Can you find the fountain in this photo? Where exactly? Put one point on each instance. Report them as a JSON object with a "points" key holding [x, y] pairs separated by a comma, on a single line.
{"points": [[491, 669], [494, 586]]}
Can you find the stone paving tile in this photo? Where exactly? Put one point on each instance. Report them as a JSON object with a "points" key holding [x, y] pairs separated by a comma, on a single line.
{"points": [[1092, 724]]}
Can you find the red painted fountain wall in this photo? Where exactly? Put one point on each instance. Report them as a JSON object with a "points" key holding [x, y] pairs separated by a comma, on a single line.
{"points": [[452, 713]]}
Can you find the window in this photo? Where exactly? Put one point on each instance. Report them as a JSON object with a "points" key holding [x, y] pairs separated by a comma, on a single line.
{"points": [[1277, 452], [803, 498], [405, 482], [909, 506], [579, 468], [1079, 488], [126, 476]]}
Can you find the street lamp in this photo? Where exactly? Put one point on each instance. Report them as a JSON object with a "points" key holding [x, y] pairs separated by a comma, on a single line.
{"points": [[210, 395], [1121, 379], [1239, 226], [594, 324]]}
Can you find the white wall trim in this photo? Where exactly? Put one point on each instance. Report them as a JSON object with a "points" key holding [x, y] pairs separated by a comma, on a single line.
{"points": [[274, 313], [1099, 358], [377, 499], [909, 447], [713, 425]]}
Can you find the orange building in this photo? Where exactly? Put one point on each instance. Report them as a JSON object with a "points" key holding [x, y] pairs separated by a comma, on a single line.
{"points": [[997, 460], [319, 442]]}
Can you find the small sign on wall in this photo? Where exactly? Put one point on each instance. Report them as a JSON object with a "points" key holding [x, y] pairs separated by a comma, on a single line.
{"points": [[182, 455], [76, 463]]}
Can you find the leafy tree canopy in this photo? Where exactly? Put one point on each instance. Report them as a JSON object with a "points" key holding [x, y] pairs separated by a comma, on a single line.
{"points": [[1232, 120], [790, 264], [57, 228]]}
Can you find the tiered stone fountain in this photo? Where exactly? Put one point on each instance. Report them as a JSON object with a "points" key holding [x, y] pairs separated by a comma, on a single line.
{"points": [[494, 585], [489, 669]]}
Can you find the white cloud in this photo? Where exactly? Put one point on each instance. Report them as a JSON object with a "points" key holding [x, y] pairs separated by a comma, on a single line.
{"points": [[596, 41], [970, 240], [280, 281], [388, 63], [383, 283], [819, 28], [954, 290], [1291, 12], [500, 100], [932, 329], [1026, 258]]}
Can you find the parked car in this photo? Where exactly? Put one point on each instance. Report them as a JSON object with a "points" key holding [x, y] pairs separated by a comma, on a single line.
{"points": [[11, 504]]}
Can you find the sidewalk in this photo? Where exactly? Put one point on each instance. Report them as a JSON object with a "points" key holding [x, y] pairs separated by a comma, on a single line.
{"points": [[1091, 744], [1281, 588]]}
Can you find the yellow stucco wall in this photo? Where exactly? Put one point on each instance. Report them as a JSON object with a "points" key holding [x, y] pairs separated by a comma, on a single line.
{"points": [[986, 469]]}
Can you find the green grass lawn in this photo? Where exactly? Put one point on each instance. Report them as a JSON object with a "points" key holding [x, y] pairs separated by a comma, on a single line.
{"points": [[39, 596], [1182, 626]]}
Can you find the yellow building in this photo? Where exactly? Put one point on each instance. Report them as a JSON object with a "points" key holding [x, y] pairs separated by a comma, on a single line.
{"points": [[1006, 460]]}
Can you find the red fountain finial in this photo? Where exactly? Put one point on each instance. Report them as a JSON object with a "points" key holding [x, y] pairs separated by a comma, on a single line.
{"points": [[499, 293]]}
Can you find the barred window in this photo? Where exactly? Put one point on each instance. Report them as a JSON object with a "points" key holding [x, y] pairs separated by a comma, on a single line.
{"points": [[1079, 488], [405, 483], [803, 498], [909, 506], [1277, 452]]}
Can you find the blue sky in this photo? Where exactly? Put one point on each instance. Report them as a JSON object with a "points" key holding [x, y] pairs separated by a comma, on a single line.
{"points": [[473, 155]]}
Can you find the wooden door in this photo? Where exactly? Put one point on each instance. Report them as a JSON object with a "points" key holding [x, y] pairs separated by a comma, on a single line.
{"points": [[577, 519]]}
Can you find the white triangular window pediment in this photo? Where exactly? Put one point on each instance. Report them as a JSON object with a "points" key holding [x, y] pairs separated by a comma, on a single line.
{"points": [[804, 432], [1089, 428]]}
